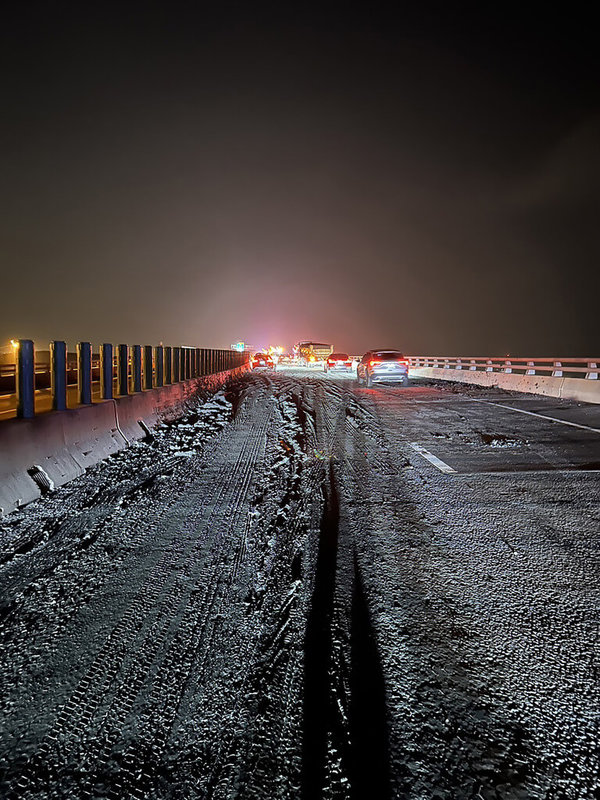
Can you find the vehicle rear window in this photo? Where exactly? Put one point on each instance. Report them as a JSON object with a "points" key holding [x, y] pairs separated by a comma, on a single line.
{"points": [[388, 355]]}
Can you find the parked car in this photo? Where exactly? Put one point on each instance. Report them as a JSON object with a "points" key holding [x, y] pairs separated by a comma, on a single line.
{"points": [[338, 361], [382, 366], [261, 360]]}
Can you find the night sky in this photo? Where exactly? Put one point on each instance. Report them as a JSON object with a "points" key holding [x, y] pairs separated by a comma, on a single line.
{"points": [[421, 179]]}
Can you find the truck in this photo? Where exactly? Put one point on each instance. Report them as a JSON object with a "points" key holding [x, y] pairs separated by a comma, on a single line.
{"points": [[312, 354]]}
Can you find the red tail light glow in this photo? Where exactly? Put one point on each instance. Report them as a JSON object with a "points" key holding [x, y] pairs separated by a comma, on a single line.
{"points": [[374, 363], [403, 362]]}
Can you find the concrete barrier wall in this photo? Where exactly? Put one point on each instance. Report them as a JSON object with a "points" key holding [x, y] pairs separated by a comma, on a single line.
{"points": [[64, 443], [580, 389]]}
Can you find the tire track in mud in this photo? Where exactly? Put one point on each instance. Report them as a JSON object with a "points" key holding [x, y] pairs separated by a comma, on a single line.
{"points": [[345, 744], [115, 491], [196, 624], [112, 736], [319, 719], [74, 722], [214, 609], [144, 760], [274, 679], [345, 752]]}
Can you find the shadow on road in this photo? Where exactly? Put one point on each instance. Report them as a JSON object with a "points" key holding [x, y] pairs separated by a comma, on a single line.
{"points": [[369, 757], [337, 749]]}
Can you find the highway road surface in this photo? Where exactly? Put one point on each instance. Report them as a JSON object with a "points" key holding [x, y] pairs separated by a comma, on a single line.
{"points": [[307, 589]]}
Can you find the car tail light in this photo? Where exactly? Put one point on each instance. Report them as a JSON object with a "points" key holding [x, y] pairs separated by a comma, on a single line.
{"points": [[374, 363], [403, 361]]}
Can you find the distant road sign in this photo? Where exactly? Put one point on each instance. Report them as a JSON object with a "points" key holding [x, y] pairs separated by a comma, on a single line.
{"points": [[243, 347]]}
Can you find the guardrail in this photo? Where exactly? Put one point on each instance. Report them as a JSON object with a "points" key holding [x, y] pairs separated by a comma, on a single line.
{"points": [[586, 368], [121, 370], [566, 378]]}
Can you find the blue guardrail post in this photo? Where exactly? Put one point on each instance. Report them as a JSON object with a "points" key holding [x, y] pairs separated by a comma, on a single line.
{"points": [[122, 369], [84, 373], [25, 379], [176, 364], [136, 357], [147, 366], [182, 363], [168, 366], [106, 371], [160, 363], [58, 375]]}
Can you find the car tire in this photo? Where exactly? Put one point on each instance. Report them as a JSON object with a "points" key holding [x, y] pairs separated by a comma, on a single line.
{"points": [[369, 381], [359, 380]]}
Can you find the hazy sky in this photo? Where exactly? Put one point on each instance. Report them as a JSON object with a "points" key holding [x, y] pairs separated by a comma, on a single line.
{"points": [[426, 180]]}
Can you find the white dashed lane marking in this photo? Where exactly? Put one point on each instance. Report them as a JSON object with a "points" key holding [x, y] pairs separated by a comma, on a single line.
{"points": [[437, 462]]}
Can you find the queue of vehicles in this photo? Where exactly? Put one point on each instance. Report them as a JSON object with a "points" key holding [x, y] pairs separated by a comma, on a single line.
{"points": [[263, 360], [375, 366]]}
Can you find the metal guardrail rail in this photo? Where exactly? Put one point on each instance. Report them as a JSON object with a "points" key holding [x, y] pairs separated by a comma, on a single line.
{"points": [[583, 368], [120, 370]]}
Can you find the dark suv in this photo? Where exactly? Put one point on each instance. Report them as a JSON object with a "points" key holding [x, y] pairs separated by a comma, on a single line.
{"points": [[382, 366]]}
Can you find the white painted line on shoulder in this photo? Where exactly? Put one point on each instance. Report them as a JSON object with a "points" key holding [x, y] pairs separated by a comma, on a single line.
{"points": [[543, 416], [524, 473], [437, 462]]}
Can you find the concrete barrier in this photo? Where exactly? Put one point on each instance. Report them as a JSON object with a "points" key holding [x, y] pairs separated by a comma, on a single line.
{"points": [[62, 444], [580, 389], [584, 391]]}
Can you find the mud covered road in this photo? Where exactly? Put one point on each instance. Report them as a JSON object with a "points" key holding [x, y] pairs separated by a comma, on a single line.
{"points": [[305, 589]]}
